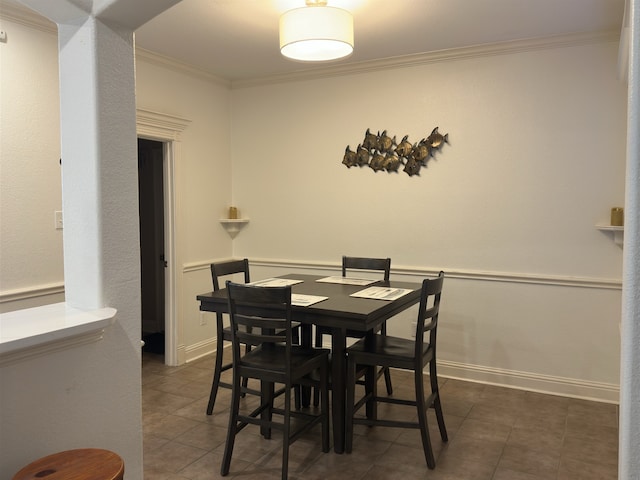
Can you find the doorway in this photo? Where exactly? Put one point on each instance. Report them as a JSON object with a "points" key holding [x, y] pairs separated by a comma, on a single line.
{"points": [[152, 244]]}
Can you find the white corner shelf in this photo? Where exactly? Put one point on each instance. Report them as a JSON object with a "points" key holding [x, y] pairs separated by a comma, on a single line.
{"points": [[233, 225], [618, 232]]}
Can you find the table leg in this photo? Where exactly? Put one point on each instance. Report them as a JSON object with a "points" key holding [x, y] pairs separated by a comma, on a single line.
{"points": [[338, 394], [305, 341]]}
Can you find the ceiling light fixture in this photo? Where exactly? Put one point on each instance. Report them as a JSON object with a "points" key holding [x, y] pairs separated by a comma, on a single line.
{"points": [[316, 33]]}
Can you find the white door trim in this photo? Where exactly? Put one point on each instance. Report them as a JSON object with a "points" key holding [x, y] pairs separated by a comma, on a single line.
{"points": [[167, 129]]}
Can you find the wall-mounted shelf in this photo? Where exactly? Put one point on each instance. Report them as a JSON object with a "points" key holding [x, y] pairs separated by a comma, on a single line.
{"points": [[233, 225], [618, 232]]}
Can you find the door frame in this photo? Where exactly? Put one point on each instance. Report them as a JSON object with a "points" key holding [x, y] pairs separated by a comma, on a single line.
{"points": [[167, 129]]}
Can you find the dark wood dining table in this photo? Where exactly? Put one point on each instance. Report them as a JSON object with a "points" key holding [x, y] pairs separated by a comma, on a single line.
{"points": [[339, 312]]}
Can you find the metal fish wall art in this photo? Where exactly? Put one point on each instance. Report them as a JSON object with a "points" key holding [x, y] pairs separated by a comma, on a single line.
{"points": [[382, 152]]}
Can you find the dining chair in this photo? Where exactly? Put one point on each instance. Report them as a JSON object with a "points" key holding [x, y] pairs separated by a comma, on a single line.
{"points": [[378, 350], [261, 317], [219, 270], [361, 263]]}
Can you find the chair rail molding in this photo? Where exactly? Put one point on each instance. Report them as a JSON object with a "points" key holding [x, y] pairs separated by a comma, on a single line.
{"points": [[35, 291], [421, 272]]}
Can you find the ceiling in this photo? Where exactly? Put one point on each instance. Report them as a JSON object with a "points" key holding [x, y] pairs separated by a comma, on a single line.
{"points": [[237, 40]]}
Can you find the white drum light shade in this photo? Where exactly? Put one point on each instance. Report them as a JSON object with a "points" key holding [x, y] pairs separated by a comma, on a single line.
{"points": [[316, 33]]}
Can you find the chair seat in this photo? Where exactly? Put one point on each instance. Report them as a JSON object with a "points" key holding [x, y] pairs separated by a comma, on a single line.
{"points": [[274, 358], [387, 351]]}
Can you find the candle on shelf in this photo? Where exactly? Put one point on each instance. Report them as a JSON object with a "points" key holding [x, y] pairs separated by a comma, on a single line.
{"points": [[617, 216], [233, 212]]}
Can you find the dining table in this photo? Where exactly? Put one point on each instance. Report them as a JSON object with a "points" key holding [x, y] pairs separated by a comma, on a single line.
{"points": [[339, 310]]}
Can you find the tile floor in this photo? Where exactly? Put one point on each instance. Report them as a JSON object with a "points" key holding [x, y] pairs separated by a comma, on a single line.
{"points": [[494, 434]]}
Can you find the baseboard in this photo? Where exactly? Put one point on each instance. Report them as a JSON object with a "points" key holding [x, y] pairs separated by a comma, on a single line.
{"points": [[199, 350], [181, 355], [562, 386], [548, 384]]}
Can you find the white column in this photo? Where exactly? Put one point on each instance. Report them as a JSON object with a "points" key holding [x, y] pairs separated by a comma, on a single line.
{"points": [[99, 166], [629, 448], [93, 392]]}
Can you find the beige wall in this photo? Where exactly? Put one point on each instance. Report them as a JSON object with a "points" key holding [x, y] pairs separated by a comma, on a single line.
{"points": [[30, 178], [508, 209], [536, 159]]}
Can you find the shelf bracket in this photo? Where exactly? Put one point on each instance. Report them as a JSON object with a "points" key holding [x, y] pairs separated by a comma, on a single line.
{"points": [[618, 233], [233, 225]]}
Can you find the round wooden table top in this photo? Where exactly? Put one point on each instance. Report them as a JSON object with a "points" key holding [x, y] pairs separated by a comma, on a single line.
{"points": [[81, 464]]}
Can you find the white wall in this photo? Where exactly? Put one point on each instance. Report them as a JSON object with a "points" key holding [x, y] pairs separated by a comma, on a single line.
{"points": [[30, 179], [535, 161]]}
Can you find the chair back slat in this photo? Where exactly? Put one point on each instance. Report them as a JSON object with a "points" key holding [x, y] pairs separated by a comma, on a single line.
{"points": [[231, 267], [260, 330], [363, 263], [255, 339], [428, 312]]}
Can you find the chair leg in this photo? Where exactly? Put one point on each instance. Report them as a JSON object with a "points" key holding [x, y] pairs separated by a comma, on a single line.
{"points": [[437, 406], [324, 409], [387, 373], [297, 395], [245, 380], [266, 398], [351, 387], [286, 434], [422, 419], [217, 370], [387, 381], [233, 426], [316, 392]]}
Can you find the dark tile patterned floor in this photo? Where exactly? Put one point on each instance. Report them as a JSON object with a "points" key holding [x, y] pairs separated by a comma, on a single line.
{"points": [[495, 433]]}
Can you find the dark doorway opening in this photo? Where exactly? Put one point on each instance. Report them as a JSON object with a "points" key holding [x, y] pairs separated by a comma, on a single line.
{"points": [[152, 259]]}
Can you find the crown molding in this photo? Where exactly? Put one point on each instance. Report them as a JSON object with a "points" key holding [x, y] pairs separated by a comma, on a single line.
{"points": [[178, 66], [27, 17], [405, 61]]}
